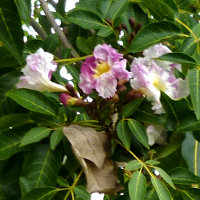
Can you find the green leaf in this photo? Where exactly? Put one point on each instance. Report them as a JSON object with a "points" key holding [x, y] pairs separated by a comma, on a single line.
{"points": [[9, 143], [137, 186], [159, 9], [104, 6], [145, 114], [138, 130], [87, 45], [133, 165], [62, 181], [83, 45], [12, 121], [191, 194], [178, 58], [56, 138], [11, 34], [194, 86], [151, 194], [105, 31], [182, 176], [74, 72], [116, 9], [188, 46], [161, 189], [152, 162], [165, 176], [47, 121], [60, 7], [190, 147], [34, 101], [2, 197], [24, 8], [86, 20], [43, 193], [175, 111], [124, 133], [40, 168], [81, 193], [189, 123], [129, 108], [7, 60], [173, 144], [152, 34], [51, 43], [89, 6], [35, 135], [9, 176]]}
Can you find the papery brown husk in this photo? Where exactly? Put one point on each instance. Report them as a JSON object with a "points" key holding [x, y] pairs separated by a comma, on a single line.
{"points": [[89, 147]]}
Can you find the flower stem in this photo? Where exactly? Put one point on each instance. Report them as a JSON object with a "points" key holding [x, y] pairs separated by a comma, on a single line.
{"points": [[143, 164], [70, 191], [72, 59]]}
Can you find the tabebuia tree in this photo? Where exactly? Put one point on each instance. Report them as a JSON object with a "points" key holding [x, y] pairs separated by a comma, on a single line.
{"points": [[103, 98]]}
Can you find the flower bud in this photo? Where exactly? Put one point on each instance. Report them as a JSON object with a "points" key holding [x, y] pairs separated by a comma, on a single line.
{"points": [[121, 82], [133, 94], [67, 100], [109, 21], [132, 22], [138, 27], [71, 90], [122, 88], [115, 98], [124, 27]]}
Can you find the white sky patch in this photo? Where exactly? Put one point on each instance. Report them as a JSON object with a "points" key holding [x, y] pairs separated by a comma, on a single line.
{"points": [[121, 34], [58, 22], [97, 196], [156, 173], [70, 4], [65, 74], [89, 99], [120, 42]]}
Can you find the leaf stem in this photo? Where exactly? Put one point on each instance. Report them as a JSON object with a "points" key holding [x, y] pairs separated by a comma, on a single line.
{"points": [[192, 33], [187, 27], [72, 187], [196, 157], [143, 164], [72, 59]]}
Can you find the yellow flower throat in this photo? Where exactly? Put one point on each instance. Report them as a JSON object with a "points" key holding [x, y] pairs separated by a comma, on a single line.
{"points": [[101, 68], [158, 84]]}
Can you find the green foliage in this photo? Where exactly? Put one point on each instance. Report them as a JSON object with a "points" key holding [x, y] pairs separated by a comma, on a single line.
{"points": [[33, 101], [137, 186], [152, 34], [39, 162], [138, 130], [11, 33]]}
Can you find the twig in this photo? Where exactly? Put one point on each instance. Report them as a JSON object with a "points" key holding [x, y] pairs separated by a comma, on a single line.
{"points": [[53, 3], [41, 32], [57, 29]]}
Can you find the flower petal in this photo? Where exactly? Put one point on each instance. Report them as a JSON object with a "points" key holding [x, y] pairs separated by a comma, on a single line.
{"points": [[156, 51], [106, 85]]}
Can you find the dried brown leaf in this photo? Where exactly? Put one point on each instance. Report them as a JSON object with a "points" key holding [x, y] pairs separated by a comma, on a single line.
{"points": [[89, 148], [87, 142]]}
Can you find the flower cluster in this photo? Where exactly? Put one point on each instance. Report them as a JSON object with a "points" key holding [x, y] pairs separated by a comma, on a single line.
{"points": [[151, 76], [102, 71], [38, 71]]}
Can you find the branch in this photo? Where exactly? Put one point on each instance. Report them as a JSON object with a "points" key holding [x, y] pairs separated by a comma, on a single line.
{"points": [[57, 29], [41, 32], [53, 3]]}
